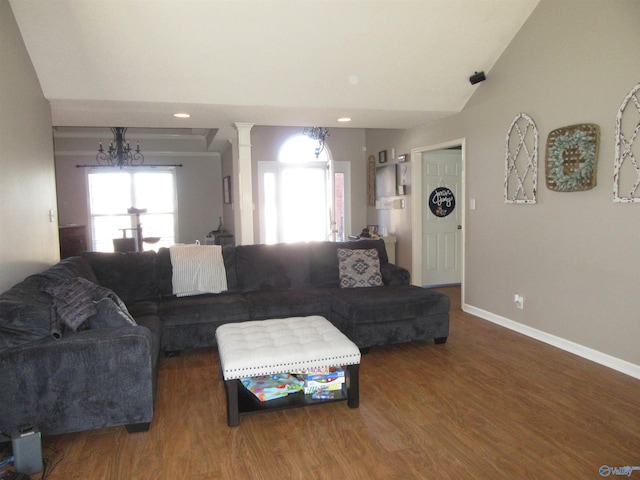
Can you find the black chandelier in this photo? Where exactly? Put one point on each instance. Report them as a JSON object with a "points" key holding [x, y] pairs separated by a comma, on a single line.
{"points": [[119, 153], [319, 134]]}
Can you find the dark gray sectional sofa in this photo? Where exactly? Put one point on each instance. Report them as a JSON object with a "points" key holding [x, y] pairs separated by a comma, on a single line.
{"points": [[104, 374]]}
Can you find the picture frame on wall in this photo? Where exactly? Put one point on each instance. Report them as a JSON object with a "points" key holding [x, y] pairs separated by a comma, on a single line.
{"points": [[403, 174], [572, 158], [382, 156], [371, 180], [226, 189]]}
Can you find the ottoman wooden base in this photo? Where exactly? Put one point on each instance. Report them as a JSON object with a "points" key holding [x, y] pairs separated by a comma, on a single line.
{"points": [[241, 402], [267, 347]]}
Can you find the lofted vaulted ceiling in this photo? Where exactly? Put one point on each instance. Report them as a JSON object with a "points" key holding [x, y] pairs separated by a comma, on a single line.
{"points": [[383, 63]]}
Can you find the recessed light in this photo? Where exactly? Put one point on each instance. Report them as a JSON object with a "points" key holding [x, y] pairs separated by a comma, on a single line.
{"points": [[181, 115], [344, 119]]}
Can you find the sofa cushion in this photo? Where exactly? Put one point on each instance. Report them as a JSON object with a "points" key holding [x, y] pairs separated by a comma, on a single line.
{"points": [[324, 264], [191, 322], [272, 267], [387, 303], [207, 308], [229, 255], [276, 280], [143, 309], [132, 276], [164, 271], [71, 267], [110, 314], [359, 268], [289, 303], [378, 245], [81, 268], [394, 274]]}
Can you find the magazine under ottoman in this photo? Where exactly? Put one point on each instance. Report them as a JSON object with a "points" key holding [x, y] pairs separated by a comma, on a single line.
{"points": [[266, 347]]}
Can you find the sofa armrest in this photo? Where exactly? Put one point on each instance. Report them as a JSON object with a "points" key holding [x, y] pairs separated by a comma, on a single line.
{"points": [[86, 380], [394, 275]]}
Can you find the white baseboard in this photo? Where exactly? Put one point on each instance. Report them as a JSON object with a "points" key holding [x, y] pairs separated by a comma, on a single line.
{"points": [[618, 364]]}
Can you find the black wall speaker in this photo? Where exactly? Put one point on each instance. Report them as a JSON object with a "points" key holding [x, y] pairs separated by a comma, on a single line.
{"points": [[477, 78]]}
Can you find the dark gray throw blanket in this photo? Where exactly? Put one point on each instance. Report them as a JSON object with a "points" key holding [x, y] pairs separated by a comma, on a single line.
{"points": [[80, 304]]}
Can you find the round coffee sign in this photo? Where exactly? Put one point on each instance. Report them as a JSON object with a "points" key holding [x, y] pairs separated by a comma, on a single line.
{"points": [[442, 202]]}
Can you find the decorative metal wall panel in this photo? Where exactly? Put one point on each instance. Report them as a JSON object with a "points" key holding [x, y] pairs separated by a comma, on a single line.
{"points": [[521, 161], [626, 168]]}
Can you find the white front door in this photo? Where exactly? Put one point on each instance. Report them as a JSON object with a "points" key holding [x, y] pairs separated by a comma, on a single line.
{"points": [[442, 217]]}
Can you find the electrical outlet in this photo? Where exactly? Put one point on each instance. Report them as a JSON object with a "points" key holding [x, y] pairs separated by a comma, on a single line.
{"points": [[519, 301]]}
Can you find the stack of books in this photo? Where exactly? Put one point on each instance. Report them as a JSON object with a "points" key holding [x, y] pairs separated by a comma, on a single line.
{"points": [[320, 383], [270, 387], [323, 379]]}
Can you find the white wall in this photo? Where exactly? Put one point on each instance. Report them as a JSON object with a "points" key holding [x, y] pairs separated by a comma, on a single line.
{"points": [[28, 240], [574, 256]]}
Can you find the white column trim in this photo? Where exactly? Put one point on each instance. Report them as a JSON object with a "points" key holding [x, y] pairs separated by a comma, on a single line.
{"points": [[243, 185]]}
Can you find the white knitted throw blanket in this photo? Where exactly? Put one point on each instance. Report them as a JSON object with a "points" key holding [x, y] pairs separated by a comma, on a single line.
{"points": [[197, 269]]}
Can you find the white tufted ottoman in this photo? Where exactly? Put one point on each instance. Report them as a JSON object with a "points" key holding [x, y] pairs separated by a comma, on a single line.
{"points": [[265, 347]]}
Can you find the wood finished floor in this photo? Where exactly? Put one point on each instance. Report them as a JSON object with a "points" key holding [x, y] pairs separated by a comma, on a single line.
{"points": [[489, 404]]}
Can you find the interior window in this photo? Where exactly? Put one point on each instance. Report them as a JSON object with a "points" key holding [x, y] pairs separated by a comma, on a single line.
{"points": [[111, 194]]}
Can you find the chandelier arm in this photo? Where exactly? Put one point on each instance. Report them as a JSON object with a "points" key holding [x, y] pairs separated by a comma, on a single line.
{"points": [[319, 134]]}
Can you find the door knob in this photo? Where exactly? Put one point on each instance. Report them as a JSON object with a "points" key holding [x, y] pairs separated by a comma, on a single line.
{"points": [[459, 227]]}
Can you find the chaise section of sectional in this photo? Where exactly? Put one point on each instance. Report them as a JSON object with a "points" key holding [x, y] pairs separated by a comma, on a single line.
{"points": [[391, 314]]}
